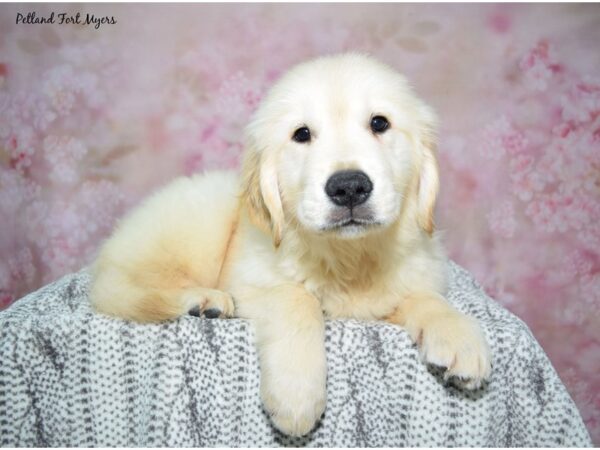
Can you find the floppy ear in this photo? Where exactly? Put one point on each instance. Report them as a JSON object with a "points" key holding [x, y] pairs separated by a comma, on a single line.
{"points": [[260, 191], [429, 175]]}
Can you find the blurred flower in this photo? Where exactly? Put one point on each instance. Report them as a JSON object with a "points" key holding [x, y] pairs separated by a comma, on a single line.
{"points": [[502, 219], [63, 153], [501, 137], [538, 65]]}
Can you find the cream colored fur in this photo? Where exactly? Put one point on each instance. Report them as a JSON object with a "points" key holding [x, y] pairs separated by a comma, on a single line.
{"points": [[264, 241]]}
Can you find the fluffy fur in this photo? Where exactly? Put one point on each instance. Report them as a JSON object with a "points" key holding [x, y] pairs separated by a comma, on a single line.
{"points": [[268, 246]]}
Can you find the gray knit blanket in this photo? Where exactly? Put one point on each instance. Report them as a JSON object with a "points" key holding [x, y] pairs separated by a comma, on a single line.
{"points": [[71, 377]]}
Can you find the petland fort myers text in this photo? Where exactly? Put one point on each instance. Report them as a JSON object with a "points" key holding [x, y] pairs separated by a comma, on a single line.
{"points": [[31, 18]]}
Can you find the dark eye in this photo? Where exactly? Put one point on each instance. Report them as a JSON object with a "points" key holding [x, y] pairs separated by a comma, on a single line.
{"points": [[301, 135], [379, 124]]}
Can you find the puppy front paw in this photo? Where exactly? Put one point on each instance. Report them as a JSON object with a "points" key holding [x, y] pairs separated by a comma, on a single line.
{"points": [[210, 302], [455, 341], [295, 405]]}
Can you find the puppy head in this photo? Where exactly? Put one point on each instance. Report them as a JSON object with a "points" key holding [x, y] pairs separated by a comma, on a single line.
{"points": [[338, 146]]}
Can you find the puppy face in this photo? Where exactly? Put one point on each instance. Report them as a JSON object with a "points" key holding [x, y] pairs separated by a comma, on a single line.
{"points": [[336, 146]]}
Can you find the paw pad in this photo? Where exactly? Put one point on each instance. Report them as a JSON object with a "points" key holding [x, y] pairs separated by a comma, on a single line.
{"points": [[212, 313], [195, 311]]}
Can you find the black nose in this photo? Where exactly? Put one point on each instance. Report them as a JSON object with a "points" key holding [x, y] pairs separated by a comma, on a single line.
{"points": [[349, 188]]}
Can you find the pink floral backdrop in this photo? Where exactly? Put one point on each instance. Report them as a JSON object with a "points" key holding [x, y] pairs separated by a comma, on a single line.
{"points": [[92, 119]]}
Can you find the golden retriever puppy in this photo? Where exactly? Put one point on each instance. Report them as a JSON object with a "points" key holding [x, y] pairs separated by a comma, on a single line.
{"points": [[332, 217]]}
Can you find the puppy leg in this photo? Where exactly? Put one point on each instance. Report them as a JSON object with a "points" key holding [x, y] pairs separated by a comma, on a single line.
{"points": [[165, 255], [116, 293], [445, 337], [291, 346]]}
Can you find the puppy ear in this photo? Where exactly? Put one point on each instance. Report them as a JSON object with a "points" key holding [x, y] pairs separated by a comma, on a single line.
{"points": [[260, 191], [429, 173]]}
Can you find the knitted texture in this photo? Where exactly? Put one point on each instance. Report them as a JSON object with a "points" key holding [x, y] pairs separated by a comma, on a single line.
{"points": [[71, 377]]}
